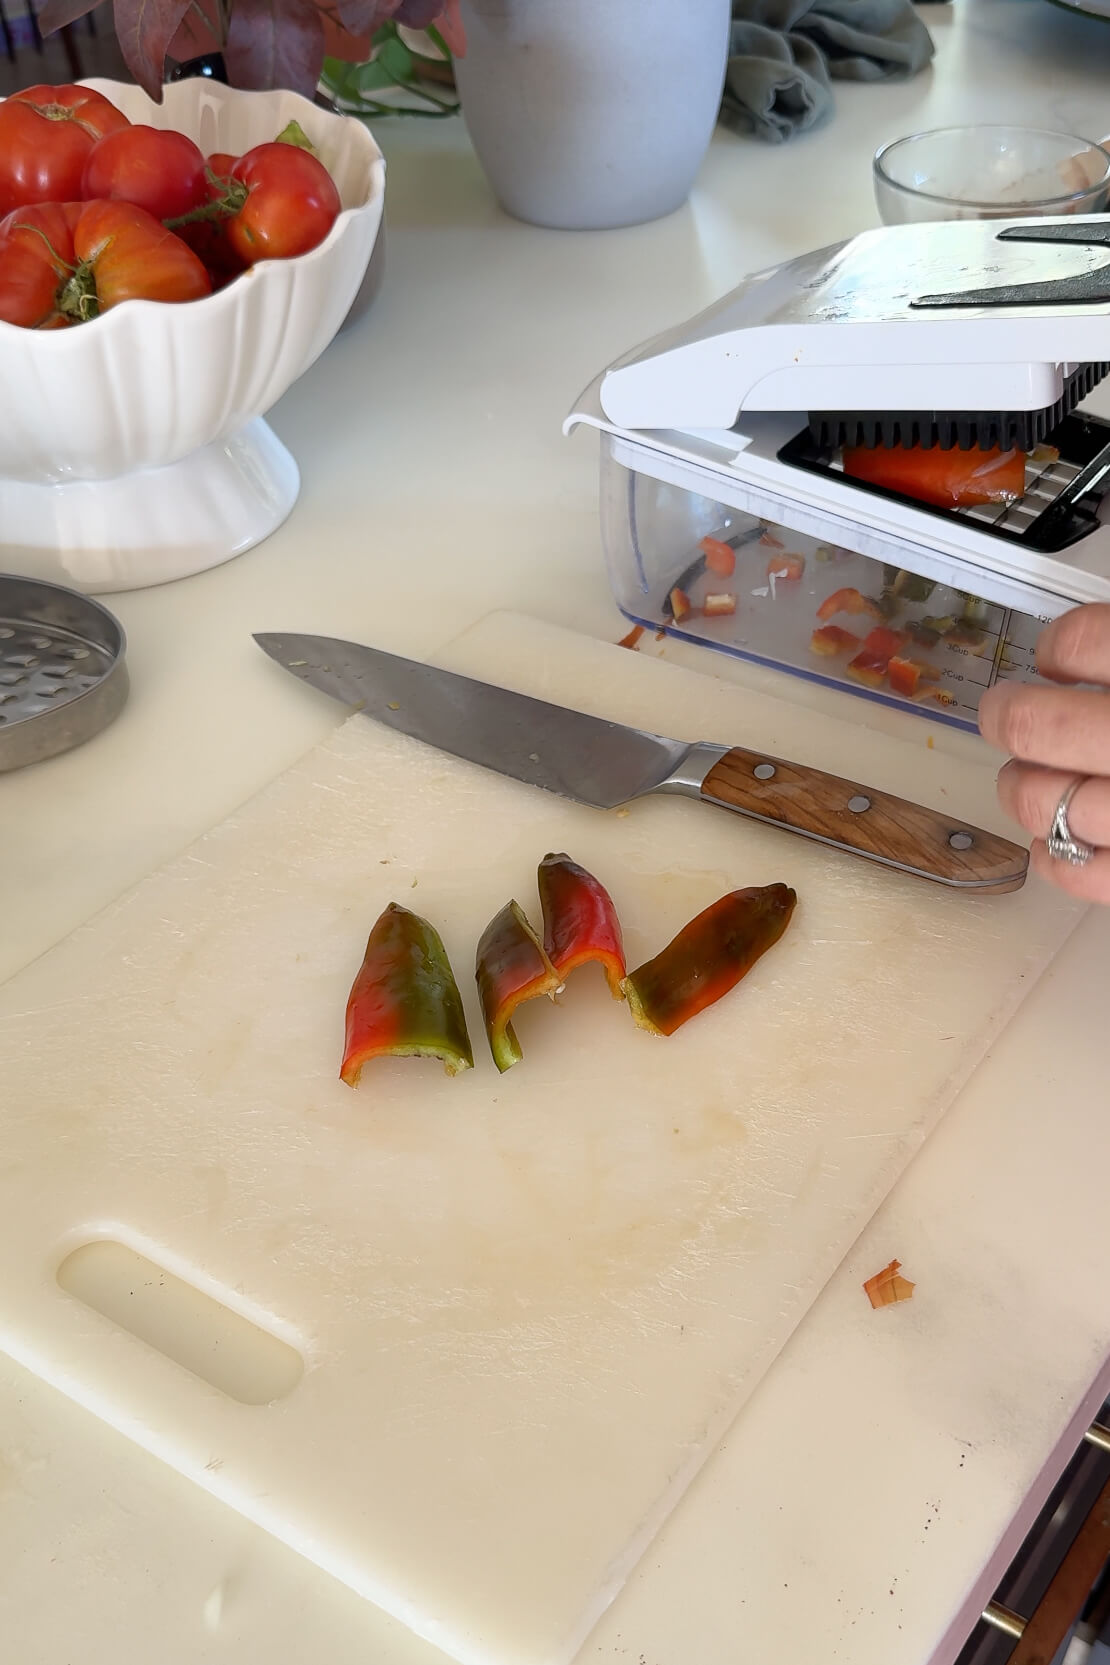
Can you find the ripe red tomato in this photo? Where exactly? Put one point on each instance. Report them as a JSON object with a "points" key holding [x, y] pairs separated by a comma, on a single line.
{"points": [[291, 203], [46, 134], [208, 238], [36, 259], [156, 169], [91, 256]]}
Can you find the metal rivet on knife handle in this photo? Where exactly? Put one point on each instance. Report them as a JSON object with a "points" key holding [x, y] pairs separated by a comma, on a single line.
{"points": [[862, 820]]}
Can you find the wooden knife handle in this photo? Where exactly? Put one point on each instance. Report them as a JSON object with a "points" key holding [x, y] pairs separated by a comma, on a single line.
{"points": [[869, 823]]}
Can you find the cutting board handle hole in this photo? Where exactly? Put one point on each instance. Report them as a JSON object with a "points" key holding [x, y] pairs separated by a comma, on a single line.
{"points": [[186, 1324]]}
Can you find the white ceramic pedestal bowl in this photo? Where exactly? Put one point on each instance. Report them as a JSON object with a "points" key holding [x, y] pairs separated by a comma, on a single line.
{"points": [[134, 449]]}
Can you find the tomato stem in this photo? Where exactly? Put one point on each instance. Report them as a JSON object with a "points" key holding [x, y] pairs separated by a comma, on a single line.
{"points": [[294, 134], [77, 298], [233, 194]]}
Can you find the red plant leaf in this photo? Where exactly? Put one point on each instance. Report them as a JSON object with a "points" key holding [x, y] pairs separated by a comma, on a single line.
{"points": [[58, 14], [362, 17], [201, 30], [275, 43], [145, 29], [417, 14]]}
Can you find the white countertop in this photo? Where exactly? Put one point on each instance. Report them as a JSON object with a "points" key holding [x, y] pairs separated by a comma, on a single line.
{"points": [[859, 1507]]}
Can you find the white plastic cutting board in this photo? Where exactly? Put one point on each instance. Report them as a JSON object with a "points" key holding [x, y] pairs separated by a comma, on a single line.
{"points": [[528, 1305]]}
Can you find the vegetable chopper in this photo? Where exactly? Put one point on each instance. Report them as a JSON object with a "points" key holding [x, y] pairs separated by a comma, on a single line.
{"points": [[725, 436]]}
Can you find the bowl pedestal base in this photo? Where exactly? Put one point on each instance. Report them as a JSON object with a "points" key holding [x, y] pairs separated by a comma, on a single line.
{"points": [[154, 524]]}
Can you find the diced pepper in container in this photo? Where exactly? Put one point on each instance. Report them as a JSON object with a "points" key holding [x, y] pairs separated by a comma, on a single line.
{"points": [[907, 675], [883, 643], [849, 601], [580, 923], [922, 633], [830, 639], [786, 568], [405, 1001], [511, 967], [947, 479], [720, 557], [708, 957], [868, 669], [907, 586], [681, 605], [719, 606]]}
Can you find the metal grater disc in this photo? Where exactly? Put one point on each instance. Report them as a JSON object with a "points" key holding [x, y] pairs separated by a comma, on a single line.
{"points": [[62, 671]]}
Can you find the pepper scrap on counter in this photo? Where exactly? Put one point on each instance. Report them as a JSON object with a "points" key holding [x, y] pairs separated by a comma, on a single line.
{"points": [[405, 1002], [708, 957], [511, 967], [580, 923], [886, 1287]]}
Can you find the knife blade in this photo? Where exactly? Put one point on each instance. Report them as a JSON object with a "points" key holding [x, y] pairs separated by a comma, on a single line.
{"points": [[605, 764]]}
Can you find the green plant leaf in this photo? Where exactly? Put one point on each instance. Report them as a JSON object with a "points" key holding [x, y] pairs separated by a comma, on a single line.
{"points": [[370, 77], [396, 60]]}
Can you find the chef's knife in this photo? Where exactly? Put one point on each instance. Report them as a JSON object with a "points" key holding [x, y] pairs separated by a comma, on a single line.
{"points": [[606, 764]]}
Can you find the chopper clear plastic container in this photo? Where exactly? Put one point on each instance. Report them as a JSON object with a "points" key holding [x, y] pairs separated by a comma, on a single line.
{"points": [[797, 603]]}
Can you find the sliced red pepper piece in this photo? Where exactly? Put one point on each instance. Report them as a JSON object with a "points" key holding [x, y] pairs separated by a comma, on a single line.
{"points": [[720, 557], [949, 479], [511, 967], [708, 957], [579, 921], [405, 1002], [848, 601], [830, 639]]}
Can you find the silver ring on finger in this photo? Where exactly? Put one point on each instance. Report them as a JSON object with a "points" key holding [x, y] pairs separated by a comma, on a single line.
{"points": [[1062, 842]]}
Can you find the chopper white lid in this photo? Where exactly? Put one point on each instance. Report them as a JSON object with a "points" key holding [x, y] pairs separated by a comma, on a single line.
{"points": [[837, 329]]}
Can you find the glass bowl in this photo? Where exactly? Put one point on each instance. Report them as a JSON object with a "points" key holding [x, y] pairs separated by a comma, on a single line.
{"points": [[989, 173]]}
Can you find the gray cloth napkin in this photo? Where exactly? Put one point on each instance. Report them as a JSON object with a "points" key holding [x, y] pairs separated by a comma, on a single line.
{"points": [[785, 53]]}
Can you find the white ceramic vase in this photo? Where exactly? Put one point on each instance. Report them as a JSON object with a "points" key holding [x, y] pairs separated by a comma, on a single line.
{"points": [[588, 114]]}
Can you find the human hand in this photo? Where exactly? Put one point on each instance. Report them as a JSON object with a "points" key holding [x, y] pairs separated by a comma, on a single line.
{"points": [[1056, 736]]}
